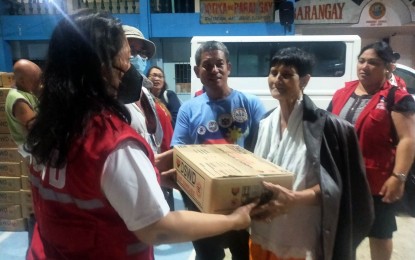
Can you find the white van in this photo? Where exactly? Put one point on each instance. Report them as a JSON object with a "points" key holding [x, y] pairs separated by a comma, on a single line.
{"points": [[408, 75], [336, 61]]}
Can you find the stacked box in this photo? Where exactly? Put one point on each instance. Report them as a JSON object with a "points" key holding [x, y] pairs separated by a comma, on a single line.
{"points": [[15, 195], [6, 141], [3, 94], [6, 79], [3, 123]]}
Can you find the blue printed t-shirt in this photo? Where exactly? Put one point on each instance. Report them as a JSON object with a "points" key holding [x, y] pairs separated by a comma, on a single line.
{"points": [[229, 120]]}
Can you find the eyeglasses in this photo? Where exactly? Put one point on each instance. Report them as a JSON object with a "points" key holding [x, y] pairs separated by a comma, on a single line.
{"points": [[153, 75]]}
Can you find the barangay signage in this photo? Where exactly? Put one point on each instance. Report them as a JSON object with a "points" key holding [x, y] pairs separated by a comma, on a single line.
{"points": [[379, 12], [236, 11]]}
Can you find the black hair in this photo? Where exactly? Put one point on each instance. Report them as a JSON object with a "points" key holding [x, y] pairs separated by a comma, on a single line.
{"points": [[77, 83], [211, 46], [295, 57], [383, 51]]}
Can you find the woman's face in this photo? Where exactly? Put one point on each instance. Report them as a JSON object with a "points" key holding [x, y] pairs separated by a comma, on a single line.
{"points": [[120, 64], [157, 77], [371, 70], [284, 83]]}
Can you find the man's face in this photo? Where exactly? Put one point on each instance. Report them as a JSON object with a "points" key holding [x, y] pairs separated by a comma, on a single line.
{"points": [[137, 48], [213, 70]]}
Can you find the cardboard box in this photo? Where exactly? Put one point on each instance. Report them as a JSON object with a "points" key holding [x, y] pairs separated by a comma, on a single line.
{"points": [[3, 94], [10, 183], [10, 211], [10, 169], [4, 128], [3, 111], [10, 197], [10, 155], [6, 141], [26, 197], [220, 178], [25, 168], [6, 79], [25, 183], [19, 224], [27, 209]]}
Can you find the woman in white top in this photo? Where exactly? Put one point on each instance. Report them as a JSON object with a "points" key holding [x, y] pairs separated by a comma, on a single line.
{"points": [[310, 221]]}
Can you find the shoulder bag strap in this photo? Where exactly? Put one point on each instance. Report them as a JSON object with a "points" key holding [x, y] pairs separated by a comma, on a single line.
{"points": [[390, 101]]}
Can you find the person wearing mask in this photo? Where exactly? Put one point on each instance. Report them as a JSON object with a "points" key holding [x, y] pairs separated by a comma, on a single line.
{"points": [[329, 210], [167, 97], [94, 184], [220, 115], [386, 132], [148, 116]]}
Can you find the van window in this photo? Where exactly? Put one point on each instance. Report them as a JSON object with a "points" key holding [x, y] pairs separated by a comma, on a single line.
{"points": [[251, 59], [408, 75]]}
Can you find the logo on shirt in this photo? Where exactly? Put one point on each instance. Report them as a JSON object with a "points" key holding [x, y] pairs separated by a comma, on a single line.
{"points": [[234, 134], [381, 105], [201, 130], [212, 126], [225, 120], [240, 115]]}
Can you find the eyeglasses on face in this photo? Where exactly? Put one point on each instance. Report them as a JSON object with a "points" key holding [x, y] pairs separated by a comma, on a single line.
{"points": [[155, 75]]}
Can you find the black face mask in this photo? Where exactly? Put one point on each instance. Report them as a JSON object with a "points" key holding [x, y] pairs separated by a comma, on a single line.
{"points": [[129, 90]]}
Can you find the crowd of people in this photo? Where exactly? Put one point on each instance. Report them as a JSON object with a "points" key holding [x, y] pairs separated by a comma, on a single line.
{"points": [[99, 125]]}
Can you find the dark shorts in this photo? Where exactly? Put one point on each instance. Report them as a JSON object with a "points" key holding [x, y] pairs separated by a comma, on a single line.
{"points": [[385, 221]]}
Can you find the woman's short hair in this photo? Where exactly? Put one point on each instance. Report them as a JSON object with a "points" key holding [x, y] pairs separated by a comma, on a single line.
{"points": [[295, 57]]}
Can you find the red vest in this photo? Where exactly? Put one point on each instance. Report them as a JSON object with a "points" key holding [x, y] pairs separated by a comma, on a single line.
{"points": [[374, 130], [165, 122], [74, 218], [401, 83]]}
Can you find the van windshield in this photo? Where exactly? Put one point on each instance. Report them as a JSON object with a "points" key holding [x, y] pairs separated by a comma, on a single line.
{"points": [[252, 59]]}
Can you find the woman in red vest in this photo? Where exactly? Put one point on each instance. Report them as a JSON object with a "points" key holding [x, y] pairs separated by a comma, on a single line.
{"points": [[94, 184], [385, 125]]}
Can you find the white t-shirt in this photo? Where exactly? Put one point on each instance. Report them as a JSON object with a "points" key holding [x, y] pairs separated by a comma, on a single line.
{"points": [[130, 184]]}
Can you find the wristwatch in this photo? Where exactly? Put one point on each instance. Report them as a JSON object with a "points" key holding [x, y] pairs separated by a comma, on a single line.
{"points": [[400, 176]]}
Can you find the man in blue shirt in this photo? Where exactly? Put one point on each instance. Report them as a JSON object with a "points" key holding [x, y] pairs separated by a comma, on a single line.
{"points": [[220, 115]]}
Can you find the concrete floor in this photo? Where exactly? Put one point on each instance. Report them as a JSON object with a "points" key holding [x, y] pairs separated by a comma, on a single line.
{"points": [[403, 241], [13, 245]]}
